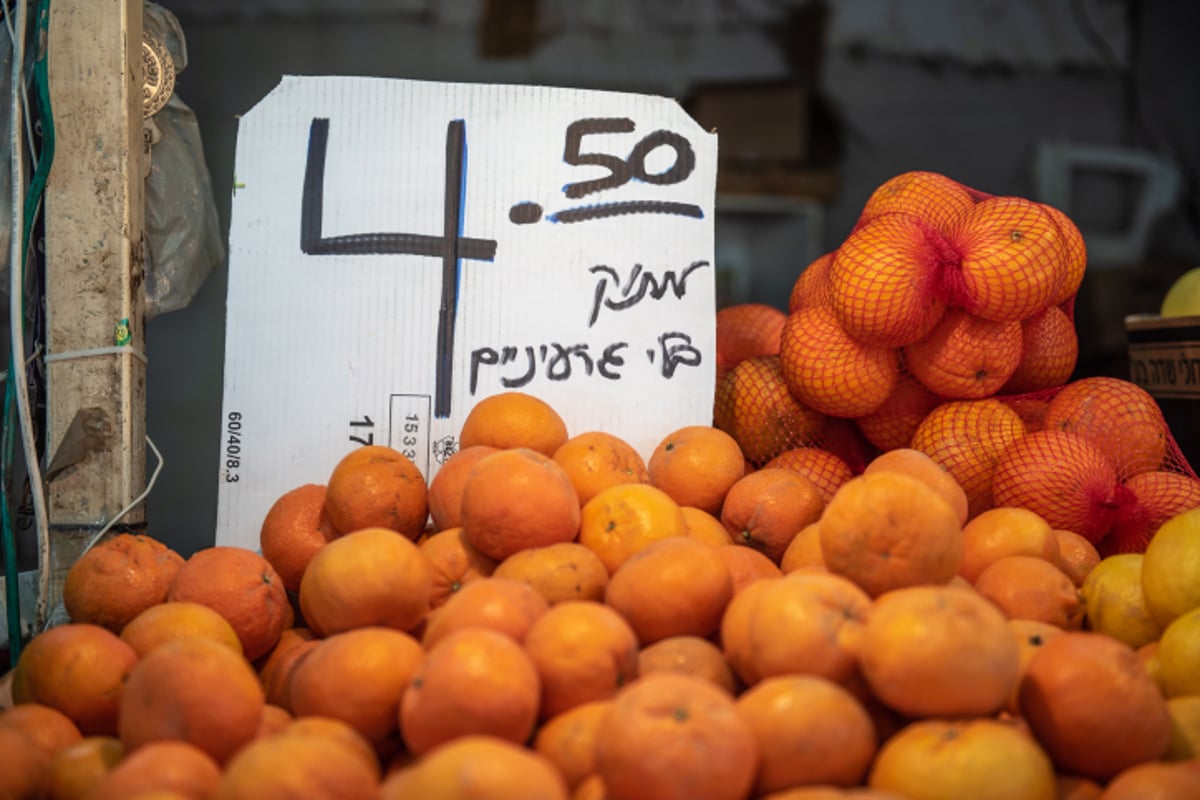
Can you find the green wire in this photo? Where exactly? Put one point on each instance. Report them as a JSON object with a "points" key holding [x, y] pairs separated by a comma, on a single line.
{"points": [[33, 200]]}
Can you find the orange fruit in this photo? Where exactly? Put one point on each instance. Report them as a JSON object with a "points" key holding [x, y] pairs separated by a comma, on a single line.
{"points": [[481, 768], [812, 285], [1117, 416], [822, 613], [558, 572], [1049, 350], [596, 460], [474, 681], [891, 426], [755, 407], [194, 690], [446, 486], [673, 587], [1073, 787], [746, 565], [118, 579], [747, 330], [172, 766], [831, 793], [976, 758], [1013, 261], [827, 471], [276, 677], [885, 281], [704, 527], [828, 370], [517, 499], [702, 745], [339, 732], [1158, 495], [372, 576], [79, 669], [1093, 706], [454, 562], [242, 587], [291, 638], [568, 740], [690, 655], [934, 198], [621, 520], [1062, 477], [294, 529], [1075, 261], [507, 606], [916, 464], [358, 677], [23, 766], [510, 420], [1030, 587], [319, 767], [768, 507], [967, 437], [965, 357], [1154, 781], [1076, 555], [805, 551], [273, 720], [77, 768], [695, 465], [887, 530], [1006, 531], [583, 651], [167, 622], [1029, 635], [48, 728], [376, 486], [809, 731], [937, 651]]}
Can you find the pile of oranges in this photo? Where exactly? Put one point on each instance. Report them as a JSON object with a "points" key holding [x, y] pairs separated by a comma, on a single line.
{"points": [[554, 617], [944, 323]]}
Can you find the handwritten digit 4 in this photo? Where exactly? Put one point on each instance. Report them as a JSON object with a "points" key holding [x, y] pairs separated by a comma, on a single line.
{"points": [[451, 247]]}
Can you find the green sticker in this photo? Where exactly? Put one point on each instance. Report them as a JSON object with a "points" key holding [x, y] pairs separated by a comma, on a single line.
{"points": [[122, 336]]}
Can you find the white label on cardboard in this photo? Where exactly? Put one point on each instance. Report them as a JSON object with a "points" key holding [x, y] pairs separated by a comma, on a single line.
{"points": [[401, 249]]}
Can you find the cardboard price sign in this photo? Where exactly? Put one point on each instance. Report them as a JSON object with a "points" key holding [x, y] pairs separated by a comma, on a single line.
{"points": [[401, 249]]}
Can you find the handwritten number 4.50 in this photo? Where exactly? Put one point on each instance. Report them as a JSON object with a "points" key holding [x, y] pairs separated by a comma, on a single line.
{"points": [[622, 170]]}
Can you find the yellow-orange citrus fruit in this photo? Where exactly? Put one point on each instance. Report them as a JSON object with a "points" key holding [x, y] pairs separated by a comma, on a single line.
{"points": [[595, 460], [885, 280], [1062, 477], [622, 520], [1013, 262], [446, 487], [295, 528], [812, 286], [118, 579], [514, 419], [1158, 495], [1049, 350], [696, 465], [967, 437], [377, 487], [754, 406], [831, 372], [747, 330], [893, 424], [934, 198], [965, 357], [824, 469], [1075, 251], [1117, 416], [768, 507]]}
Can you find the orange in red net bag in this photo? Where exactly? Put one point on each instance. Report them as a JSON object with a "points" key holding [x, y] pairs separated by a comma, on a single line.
{"points": [[944, 322]]}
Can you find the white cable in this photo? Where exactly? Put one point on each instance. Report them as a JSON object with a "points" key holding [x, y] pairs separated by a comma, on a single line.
{"points": [[16, 314], [132, 503], [19, 69]]}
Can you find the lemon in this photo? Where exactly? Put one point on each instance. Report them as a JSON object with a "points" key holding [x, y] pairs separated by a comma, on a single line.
{"points": [[1183, 298], [1179, 656], [1185, 727], [1114, 603], [1171, 568]]}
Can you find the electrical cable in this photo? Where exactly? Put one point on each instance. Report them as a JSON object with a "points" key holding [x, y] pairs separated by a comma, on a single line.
{"points": [[16, 296]]}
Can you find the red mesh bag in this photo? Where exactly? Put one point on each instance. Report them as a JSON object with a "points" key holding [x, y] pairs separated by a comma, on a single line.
{"points": [[944, 322]]}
